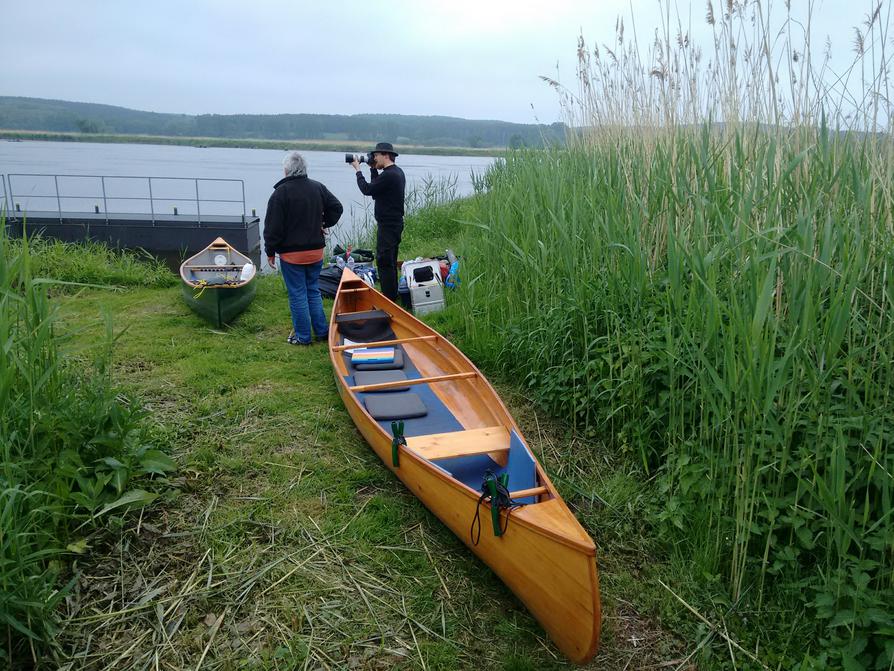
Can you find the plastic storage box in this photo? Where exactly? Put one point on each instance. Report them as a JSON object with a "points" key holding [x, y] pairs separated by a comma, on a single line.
{"points": [[426, 287]]}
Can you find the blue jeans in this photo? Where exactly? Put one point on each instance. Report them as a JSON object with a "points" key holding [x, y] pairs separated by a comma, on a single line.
{"points": [[305, 302]]}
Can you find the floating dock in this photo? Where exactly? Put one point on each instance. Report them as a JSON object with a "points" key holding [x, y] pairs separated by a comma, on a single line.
{"points": [[169, 217]]}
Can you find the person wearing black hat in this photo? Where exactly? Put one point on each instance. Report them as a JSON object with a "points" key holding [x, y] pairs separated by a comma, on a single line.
{"points": [[387, 185]]}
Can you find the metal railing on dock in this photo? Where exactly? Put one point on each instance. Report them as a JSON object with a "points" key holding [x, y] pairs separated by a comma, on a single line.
{"points": [[155, 194], [5, 205]]}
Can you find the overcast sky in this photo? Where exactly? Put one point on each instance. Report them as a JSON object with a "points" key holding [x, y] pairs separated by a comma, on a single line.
{"points": [[478, 59]]}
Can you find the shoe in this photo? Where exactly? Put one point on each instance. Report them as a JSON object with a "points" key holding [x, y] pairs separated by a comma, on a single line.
{"points": [[322, 338], [293, 340]]}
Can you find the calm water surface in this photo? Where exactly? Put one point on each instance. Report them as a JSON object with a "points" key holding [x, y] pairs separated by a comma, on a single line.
{"points": [[259, 169]]}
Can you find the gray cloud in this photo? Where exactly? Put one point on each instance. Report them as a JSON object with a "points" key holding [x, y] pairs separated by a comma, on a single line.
{"points": [[469, 58]]}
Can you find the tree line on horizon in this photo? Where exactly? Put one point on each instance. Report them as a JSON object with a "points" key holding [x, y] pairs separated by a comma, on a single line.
{"points": [[37, 114]]}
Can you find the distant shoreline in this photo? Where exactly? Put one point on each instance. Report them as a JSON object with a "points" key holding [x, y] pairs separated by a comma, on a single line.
{"points": [[242, 143]]}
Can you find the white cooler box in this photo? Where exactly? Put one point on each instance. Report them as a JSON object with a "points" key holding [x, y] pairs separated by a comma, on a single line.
{"points": [[426, 288]]}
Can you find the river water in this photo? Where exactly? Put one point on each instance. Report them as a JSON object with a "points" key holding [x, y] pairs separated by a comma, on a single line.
{"points": [[258, 169]]}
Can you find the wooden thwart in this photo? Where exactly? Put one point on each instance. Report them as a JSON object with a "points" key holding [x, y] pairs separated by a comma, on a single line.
{"points": [[436, 446], [382, 343], [524, 493], [418, 380]]}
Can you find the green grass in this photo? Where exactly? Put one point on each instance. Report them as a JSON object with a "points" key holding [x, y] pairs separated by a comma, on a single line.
{"points": [[92, 263], [289, 531], [702, 308], [74, 454], [434, 220]]}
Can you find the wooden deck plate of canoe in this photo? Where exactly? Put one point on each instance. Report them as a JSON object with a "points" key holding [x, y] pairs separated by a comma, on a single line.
{"points": [[214, 284], [437, 423]]}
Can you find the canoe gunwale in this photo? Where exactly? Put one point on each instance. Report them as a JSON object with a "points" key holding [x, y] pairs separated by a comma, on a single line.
{"points": [[215, 287], [219, 244], [462, 488]]}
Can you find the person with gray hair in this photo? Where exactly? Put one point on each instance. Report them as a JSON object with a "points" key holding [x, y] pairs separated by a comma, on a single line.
{"points": [[293, 163], [298, 214]]}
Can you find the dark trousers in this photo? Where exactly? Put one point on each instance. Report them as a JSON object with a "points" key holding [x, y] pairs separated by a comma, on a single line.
{"points": [[387, 242]]}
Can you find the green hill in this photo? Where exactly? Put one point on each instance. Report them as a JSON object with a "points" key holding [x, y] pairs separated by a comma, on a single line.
{"points": [[38, 114]]}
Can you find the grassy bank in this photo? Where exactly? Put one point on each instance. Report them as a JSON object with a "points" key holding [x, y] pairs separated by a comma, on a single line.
{"points": [[308, 145], [289, 544], [703, 311]]}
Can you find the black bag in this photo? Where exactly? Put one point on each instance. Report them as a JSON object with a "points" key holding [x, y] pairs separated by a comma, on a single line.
{"points": [[423, 274], [330, 277]]}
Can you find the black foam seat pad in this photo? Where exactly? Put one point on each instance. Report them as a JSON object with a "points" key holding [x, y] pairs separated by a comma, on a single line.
{"points": [[403, 405], [362, 377], [361, 316], [371, 330]]}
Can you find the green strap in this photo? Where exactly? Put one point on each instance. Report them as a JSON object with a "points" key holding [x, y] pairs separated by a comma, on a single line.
{"points": [[397, 430], [494, 506]]}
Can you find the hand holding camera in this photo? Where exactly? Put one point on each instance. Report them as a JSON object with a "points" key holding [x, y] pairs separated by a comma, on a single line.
{"points": [[356, 159]]}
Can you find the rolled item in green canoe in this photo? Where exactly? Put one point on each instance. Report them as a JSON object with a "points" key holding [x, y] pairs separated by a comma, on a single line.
{"points": [[218, 282]]}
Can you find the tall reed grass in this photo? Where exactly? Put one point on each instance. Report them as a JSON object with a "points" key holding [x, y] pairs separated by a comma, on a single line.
{"points": [[715, 301], [427, 203], [71, 449], [91, 262], [431, 191]]}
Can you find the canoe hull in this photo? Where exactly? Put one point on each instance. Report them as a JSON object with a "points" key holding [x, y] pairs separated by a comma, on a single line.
{"points": [[219, 305], [214, 284], [557, 581]]}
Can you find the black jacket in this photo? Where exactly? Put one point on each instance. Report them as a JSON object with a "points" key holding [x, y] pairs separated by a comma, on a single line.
{"points": [[297, 212], [387, 190]]}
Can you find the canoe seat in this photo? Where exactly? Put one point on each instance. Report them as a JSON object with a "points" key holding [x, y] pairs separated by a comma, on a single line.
{"points": [[403, 405], [362, 377], [435, 446], [348, 317]]}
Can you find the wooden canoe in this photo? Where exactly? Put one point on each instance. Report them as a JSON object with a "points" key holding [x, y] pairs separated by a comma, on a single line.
{"points": [[545, 556], [214, 284]]}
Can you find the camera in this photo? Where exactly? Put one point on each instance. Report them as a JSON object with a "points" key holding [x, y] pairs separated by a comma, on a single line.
{"points": [[369, 159]]}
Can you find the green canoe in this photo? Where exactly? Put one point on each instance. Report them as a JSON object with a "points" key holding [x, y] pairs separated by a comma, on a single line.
{"points": [[218, 282]]}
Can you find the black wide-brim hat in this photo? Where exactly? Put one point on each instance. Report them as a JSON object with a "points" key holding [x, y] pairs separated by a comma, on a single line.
{"points": [[385, 148]]}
